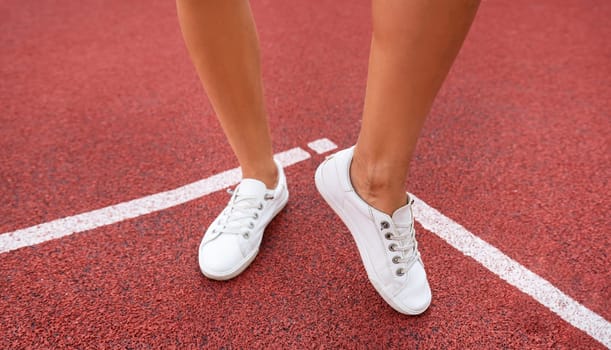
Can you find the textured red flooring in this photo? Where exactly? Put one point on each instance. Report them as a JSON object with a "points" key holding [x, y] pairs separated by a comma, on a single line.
{"points": [[100, 104], [137, 283], [524, 152]]}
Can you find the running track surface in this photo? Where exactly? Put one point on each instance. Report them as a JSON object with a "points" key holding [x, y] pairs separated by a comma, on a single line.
{"points": [[101, 105]]}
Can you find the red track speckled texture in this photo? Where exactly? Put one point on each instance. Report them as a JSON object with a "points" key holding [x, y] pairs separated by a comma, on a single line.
{"points": [[100, 105]]}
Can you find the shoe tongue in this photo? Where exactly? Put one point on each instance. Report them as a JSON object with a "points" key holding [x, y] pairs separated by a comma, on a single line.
{"points": [[251, 187], [402, 216]]}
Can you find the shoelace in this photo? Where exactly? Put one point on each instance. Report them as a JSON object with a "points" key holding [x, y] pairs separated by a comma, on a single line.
{"points": [[242, 213], [405, 243]]}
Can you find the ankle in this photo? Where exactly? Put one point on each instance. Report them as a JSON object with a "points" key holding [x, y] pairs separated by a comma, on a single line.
{"points": [[266, 174], [375, 186]]}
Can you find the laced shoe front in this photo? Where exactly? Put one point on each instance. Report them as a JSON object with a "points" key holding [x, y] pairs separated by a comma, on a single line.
{"points": [[232, 241], [402, 243], [240, 215]]}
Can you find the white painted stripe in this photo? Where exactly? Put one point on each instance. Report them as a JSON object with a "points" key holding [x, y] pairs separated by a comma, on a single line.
{"points": [[291, 157], [127, 210], [511, 271], [321, 146]]}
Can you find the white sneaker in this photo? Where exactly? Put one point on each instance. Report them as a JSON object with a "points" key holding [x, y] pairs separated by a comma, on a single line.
{"points": [[387, 245], [232, 241]]}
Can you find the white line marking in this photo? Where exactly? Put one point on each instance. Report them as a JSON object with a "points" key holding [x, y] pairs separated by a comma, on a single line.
{"points": [[321, 146], [511, 271], [291, 157], [127, 210]]}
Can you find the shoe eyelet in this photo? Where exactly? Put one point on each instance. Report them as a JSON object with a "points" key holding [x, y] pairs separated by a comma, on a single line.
{"points": [[260, 206], [392, 247], [255, 216], [395, 259], [400, 272], [385, 225], [251, 225], [388, 235], [246, 235]]}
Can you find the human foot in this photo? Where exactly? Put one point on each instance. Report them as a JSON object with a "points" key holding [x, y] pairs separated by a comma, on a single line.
{"points": [[232, 241], [386, 243]]}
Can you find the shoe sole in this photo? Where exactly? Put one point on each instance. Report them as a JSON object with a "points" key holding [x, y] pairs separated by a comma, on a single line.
{"points": [[249, 258], [320, 186]]}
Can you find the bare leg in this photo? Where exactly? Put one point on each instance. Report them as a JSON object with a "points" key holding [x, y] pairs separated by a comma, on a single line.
{"points": [[413, 46], [222, 40]]}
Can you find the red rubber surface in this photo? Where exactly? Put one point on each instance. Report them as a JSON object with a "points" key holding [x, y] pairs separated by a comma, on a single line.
{"points": [[100, 104]]}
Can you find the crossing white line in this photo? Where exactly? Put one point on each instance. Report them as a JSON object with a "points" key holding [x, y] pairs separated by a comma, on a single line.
{"points": [[432, 220], [134, 208], [513, 272], [322, 145]]}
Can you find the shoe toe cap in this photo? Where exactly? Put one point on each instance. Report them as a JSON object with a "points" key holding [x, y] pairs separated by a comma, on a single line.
{"points": [[218, 258], [415, 297]]}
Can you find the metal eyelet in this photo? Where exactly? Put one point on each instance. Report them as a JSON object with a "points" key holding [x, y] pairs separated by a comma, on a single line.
{"points": [[400, 272], [395, 259], [392, 247], [251, 225], [388, 235], [260, 206], [385, 225], [255, 216], [246, 235]]}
